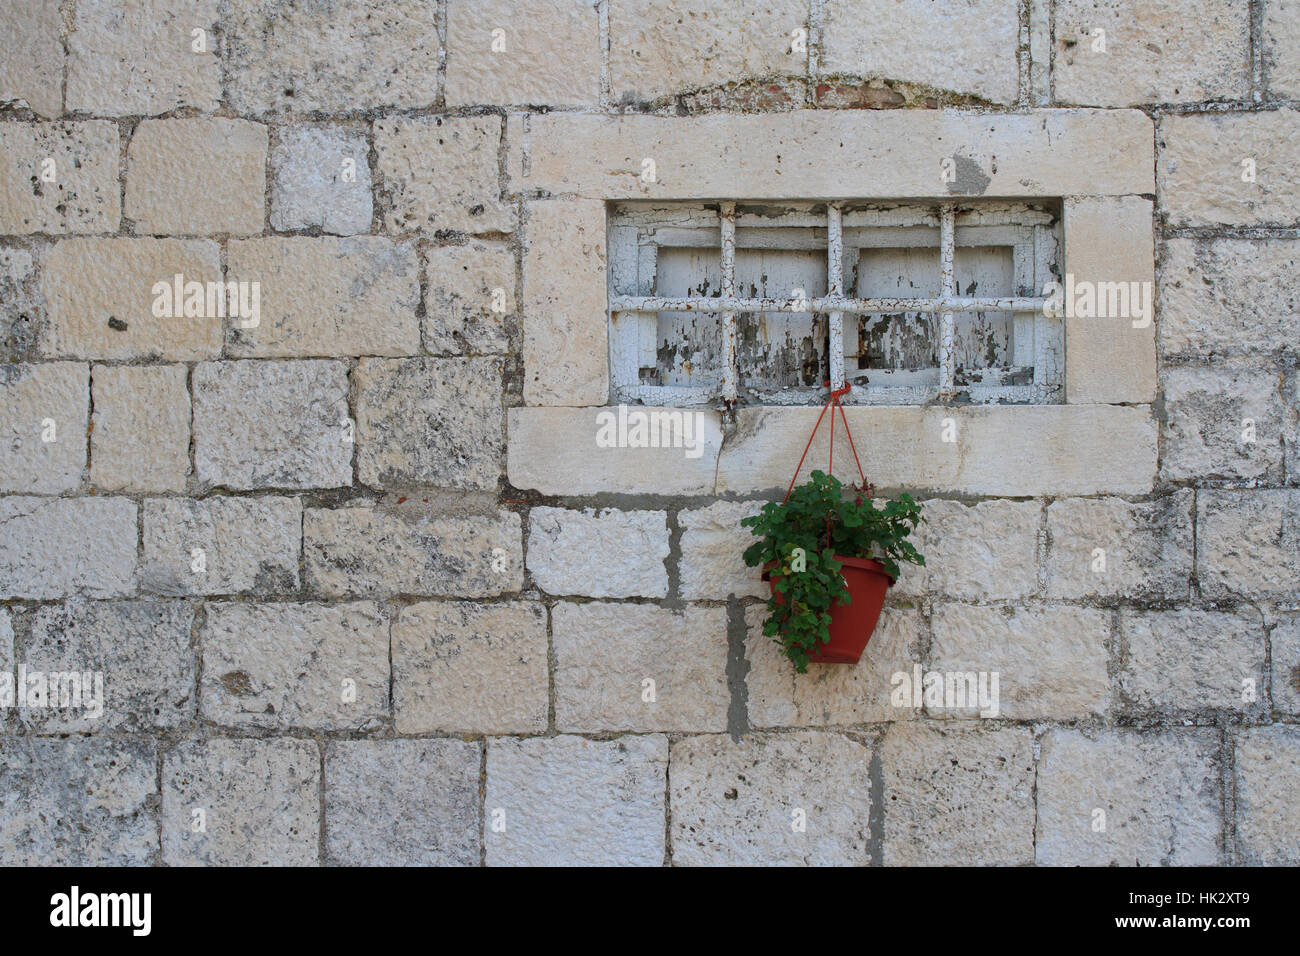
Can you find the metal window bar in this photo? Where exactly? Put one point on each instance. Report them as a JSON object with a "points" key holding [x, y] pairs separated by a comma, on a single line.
{"points": [[730, 372], [835, 290], [947, 287], [835, 303]]}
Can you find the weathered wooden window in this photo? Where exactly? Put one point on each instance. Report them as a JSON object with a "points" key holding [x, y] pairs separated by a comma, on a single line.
{"points": [[908, 303]]}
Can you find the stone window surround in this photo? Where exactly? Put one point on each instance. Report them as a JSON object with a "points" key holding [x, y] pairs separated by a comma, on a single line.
{"points": [[1098, 163]]}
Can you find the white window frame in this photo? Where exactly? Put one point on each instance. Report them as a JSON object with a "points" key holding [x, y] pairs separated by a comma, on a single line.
{"points": [[637, 232]]}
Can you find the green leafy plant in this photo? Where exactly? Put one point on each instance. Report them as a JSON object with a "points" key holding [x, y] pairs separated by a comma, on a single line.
{"points": [[800, 539]]}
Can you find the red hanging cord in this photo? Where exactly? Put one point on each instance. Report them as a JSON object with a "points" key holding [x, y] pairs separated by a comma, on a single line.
{"points": [[832, 403], [849, 435]]}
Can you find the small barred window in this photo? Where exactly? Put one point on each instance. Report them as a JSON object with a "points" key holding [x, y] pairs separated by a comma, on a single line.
{"points": [[908, 303]]}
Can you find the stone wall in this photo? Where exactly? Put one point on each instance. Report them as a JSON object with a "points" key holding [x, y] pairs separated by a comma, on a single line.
{"points": [[362, 591]]}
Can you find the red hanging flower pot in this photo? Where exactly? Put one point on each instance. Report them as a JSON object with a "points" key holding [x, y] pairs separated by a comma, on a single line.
{"points": [[829, 609], [852, 624]]}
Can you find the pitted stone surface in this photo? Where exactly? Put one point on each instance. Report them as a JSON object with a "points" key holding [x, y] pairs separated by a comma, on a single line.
{"points": [[639, 668], [977, 552], [1248, 543], [140, 649], [1284, 641], [31, 73], [59, 178], [221, 545], [968, 47], [565, 302], [258, 802], [470, 301], [23, 321], [141, 436], [1202, 179], [1223, 424], [141, 58], [1192, 660], [1119, 798], [78, 802], [43, 412], [363, 551], [713, 547], [1109, 547], [321, 179], [786, 799], [284, 666], [1281, 39], [607, 553], [568, 801], [425, 814], [6, 642], [442, 174], [272, 424], [101, 297], [365, 55], [1050, 660], [461, 667], [428, 421], [494, 56], [682, 45], [53, 548], [1228, 296], [957, 797], [326, 296], [197, 177], [1268, 818], [1112, 53]]}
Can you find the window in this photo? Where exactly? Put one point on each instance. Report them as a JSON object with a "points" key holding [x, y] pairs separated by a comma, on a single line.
{"points": [[1061, 195], [909, 302]]}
